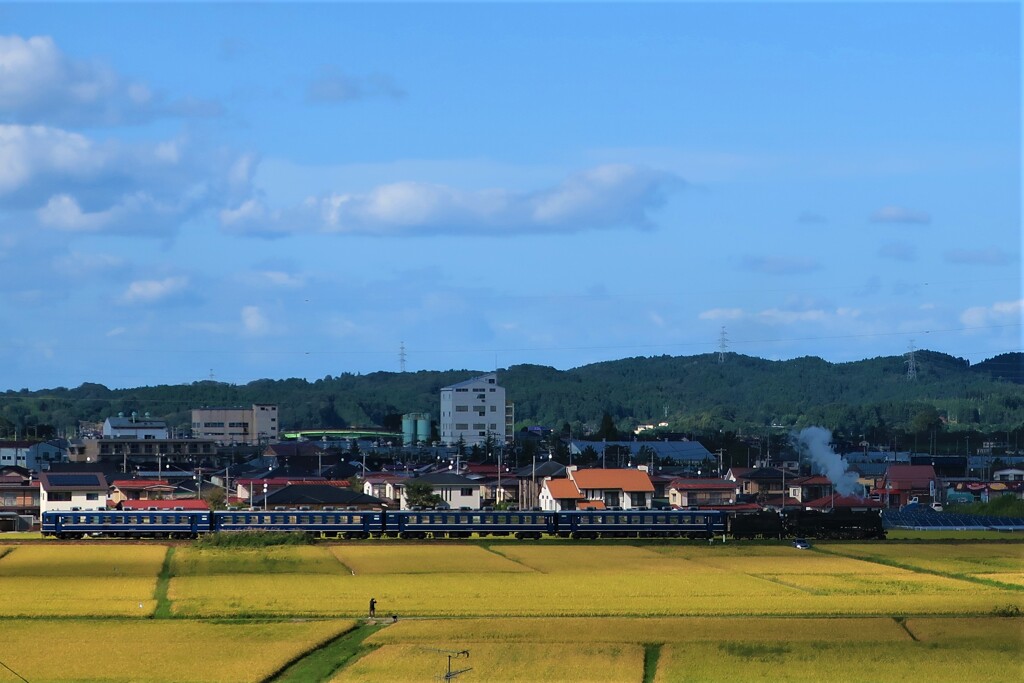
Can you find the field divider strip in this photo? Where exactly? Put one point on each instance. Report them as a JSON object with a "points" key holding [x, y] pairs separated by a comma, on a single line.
{"points": [[334, 554], [902, 623], [163, 581], [779, 582], [492, 549], [325, 659], [886, 562], [652, 653], [5, 552]]}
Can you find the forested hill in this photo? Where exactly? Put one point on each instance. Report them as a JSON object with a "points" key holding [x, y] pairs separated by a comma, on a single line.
{"points": [[691, 393]]}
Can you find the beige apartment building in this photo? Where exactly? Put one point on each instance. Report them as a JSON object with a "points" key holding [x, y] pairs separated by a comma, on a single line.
{"points": [[254, 425]]}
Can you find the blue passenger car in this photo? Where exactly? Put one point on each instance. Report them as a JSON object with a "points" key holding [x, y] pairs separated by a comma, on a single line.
{"points": [[126, 523], [463, 523], [332, 523], [640, 523]]}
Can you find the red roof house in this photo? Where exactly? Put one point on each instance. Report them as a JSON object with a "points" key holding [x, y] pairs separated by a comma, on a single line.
{"points": [[903, 482]]}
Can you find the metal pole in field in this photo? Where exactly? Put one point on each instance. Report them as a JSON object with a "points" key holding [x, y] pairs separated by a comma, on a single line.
{"points": [[264, 496]]}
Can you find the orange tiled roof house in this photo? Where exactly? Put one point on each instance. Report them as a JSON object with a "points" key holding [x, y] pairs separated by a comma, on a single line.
{"points": [[598, 488]]}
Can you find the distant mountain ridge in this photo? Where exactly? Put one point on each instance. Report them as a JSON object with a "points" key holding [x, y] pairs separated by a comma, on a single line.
{"points": [[691, 393]]}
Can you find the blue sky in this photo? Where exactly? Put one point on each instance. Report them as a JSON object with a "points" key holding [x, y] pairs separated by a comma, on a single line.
{"points": [[296, 190]]}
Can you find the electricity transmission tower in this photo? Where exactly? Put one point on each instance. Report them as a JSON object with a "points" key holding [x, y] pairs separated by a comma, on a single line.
{"points": [[911, 363], [723, 344]]}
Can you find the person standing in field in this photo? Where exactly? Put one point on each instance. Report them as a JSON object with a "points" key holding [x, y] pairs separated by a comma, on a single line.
{"points": [[373, 607]]}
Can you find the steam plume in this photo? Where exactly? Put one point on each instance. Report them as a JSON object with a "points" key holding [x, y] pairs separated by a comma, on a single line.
{"points": [[814, 442]]}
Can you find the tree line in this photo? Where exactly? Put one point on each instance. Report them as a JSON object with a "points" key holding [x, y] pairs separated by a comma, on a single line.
{"points": [[869, 400]]}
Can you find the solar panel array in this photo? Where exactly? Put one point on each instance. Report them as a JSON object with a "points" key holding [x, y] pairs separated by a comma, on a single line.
{"points": [[74, 480]]}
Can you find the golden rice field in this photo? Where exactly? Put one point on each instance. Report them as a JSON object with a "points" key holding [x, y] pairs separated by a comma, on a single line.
{"points": [[640, 631], [271, 560], [109, 581], [526, 611], [703, 649], [424, 559], [575, 580], [163, 651], [528, 663]]}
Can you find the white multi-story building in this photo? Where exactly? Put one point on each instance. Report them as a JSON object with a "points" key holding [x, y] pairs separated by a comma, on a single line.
{"points": [[134, 427], [473, 410], [257, 424]]}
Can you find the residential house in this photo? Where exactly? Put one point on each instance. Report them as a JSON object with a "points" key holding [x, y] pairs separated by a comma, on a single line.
{"points": [[559, 494], [317, 496], [618, 488], [382, 485], [531, 480], [19, 493], [15, 453], [455, 490], [763, 482], [901, 483], [176, 504], [250, 489], [69, 491], [683, 493], [851, 503], [140, 489], [809, 488]]}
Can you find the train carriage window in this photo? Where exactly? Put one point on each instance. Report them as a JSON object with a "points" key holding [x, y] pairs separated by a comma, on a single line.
{"points": [[476, 519], [263, 519], [293, 519], [344, 519]]}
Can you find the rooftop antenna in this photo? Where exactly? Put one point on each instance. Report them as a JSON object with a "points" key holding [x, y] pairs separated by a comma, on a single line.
{"points": [[453, 654], [911, 363], [401, 357], [723, 344]]}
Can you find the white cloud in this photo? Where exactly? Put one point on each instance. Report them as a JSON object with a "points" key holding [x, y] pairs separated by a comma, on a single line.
{"points": [[116, 331], [39, 83], [900, 214], [28, 153], [72, 183], [151, 291], [999, 313], [611, 196], [721, 314], [133, 213], [254, 322]]}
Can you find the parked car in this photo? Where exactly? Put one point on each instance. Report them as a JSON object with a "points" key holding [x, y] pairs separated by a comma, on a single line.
{"points": [[801, 543]]}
